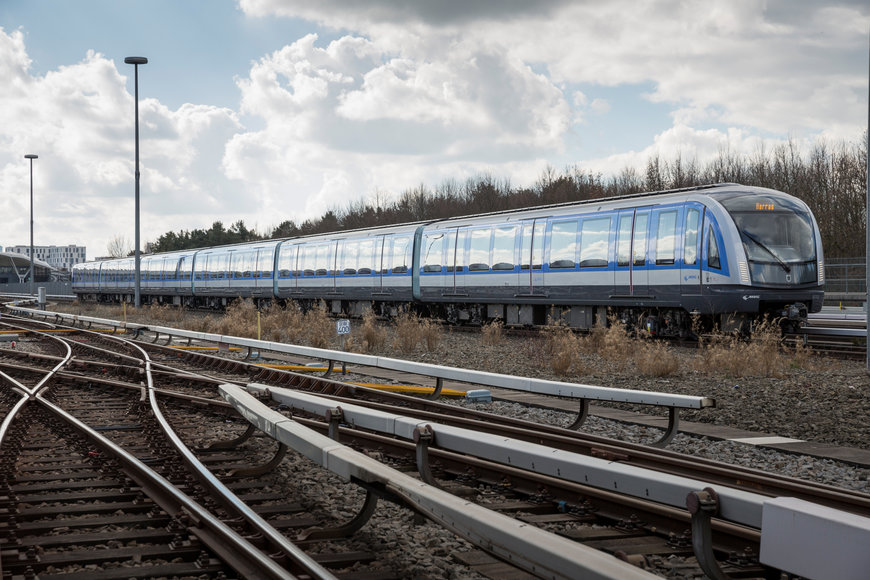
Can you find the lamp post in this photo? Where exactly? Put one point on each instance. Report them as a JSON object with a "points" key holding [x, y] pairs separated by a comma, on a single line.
{"points": [[136, 61], [32, 257]]}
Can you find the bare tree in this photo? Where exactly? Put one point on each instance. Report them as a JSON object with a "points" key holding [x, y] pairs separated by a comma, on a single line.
{"points": [[119, 247]]}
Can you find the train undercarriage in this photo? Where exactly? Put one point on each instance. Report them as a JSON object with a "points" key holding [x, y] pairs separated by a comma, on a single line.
{"points": [[665, 322]]}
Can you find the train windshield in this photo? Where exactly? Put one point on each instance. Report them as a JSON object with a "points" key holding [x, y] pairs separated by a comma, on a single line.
{"points": [[777, 234]]}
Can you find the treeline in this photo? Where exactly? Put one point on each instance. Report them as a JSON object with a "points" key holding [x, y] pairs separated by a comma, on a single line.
{"points": [[830, 178], [216, 235]]}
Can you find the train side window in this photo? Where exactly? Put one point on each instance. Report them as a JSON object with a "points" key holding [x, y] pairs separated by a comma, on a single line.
{"points": [[563, 244], [365, 263], [503, 248], [231, 264], [665, 236], [623, 240], [286, 260], [325, 258], [690, 249], [246, 265], [400, 256], [594, 236], [265, 261], [202, 268], [640, 234], [433, 248], [351, 257], [309, 258], [533, 246], [478, 251], [713, 250]]}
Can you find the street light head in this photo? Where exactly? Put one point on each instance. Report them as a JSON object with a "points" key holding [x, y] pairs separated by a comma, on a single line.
{"points": [[31, 156], [136, 60]]}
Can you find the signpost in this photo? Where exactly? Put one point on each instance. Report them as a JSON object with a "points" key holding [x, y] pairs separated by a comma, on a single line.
{"points": [[342, 328]]}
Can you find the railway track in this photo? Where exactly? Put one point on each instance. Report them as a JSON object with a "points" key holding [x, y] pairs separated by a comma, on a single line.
{"points": [[185, 388], [75, 449]]}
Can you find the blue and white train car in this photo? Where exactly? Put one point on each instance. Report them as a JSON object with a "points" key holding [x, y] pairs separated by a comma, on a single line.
{"points": [[350, 270], [726, 253], [723, 254]]}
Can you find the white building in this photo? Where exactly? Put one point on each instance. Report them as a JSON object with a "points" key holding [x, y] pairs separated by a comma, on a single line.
{"points": [[59, 257]]}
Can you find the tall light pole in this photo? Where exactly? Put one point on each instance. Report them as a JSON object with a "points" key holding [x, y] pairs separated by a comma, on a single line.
{"points": [[32, 268], [136, 61]]}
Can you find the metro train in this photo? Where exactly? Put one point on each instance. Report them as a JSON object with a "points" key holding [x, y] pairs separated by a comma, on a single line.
{"points": [[722, 254]]}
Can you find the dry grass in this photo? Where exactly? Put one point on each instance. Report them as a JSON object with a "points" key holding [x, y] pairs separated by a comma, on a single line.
{"points": [[563, 347], [431, 332], [167, 314], [408, 332], [240, 319], [319, 328], [282, 324], [492, 333], [719, 354], [655, 359], [612, 342], [731, 355], [371, 336]]}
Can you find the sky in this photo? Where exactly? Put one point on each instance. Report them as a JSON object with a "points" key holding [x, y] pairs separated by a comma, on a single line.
{"points": [[274, 110]]}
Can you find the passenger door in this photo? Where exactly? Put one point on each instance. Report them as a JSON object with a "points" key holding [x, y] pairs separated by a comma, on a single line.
{"points": [[631, 277], [664, 270], [454, 283], [691, 283]]}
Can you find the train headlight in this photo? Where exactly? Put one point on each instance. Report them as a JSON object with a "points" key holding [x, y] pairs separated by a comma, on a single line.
{"points": [[743, 267]]}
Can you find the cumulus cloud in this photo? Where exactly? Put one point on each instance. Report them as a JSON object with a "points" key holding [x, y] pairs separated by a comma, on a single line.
{"points": [[79, 120], [776, 66], [332, 111]]}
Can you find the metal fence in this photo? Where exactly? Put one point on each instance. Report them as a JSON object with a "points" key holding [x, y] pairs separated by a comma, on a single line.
{"points": [[51, 288], [846, 276]]}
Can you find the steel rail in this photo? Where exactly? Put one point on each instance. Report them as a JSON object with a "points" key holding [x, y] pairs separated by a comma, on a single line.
{"points": [[580, 392], [243, 557], [303, 561], [731, 506], [624, 452], [528, 547], [738, 506], [567, 439]]}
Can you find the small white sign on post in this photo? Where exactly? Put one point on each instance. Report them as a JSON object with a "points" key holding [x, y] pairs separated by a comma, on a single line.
{"points": [[342, 327]]}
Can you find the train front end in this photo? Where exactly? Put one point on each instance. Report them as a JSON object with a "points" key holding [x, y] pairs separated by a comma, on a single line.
{"points": [[779, 257]]}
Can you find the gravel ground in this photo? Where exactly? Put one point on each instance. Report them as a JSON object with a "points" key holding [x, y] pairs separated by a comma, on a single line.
{"points": [[826, 402]]}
